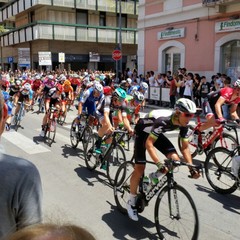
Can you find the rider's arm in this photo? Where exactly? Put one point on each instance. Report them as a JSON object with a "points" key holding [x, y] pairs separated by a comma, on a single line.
{"points": [[151, 149], [107, 120], [233, 112], [186, 151], [218, 107], [80, 108]]}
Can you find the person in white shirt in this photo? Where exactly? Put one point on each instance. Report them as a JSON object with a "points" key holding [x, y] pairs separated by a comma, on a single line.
{"points": [[188, 86], [152, 79]]}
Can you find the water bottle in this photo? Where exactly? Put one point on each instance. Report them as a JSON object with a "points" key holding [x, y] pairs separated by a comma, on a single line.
{"points": [[154, 176], [145, 184]]}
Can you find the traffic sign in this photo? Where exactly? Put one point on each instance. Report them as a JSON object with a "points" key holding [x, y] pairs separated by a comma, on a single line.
{"points": [[116, 55], [10, 59]]}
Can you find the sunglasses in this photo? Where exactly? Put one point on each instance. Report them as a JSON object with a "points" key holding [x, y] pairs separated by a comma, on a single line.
{"points": [[188, 115]]}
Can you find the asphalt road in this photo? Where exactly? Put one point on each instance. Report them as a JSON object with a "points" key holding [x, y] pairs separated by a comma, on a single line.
{"points": [[74, 194]]}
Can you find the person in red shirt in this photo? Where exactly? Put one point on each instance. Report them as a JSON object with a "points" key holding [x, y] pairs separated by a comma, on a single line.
{"points": [[213, 106]]}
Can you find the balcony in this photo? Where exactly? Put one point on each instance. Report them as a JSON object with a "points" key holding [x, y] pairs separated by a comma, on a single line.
{"points": [[18, 6], [67, 32], [210, 3]]}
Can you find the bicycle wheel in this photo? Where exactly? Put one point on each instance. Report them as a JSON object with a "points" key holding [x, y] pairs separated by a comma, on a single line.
{"points": [[51, 132], [114, 159], [74, 134], [122, 185], [62, 118], [218, 170], [18, 118], [175, 214], [87, 133], [89, 153], [228, 141], [192, 145]]}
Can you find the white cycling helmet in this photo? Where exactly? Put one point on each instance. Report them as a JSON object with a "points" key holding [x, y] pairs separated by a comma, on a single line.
{"points": [[18, 82], [185, 105], [237, 83], [138, 96], [50, 77], [129, 81], [27, 86], [144, 86], [98, 87]]}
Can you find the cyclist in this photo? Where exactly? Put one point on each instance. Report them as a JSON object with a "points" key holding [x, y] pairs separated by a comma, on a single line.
{"points": [[213, 107], [54, 98], [25, 95], [107, 105], [9, 104], [132, 106], [150, 136], [15, 88], [75, 82], [88, 102], [68, 90]]}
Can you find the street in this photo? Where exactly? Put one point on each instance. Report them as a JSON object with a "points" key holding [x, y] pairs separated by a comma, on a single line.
{"points": [[74, 194]]}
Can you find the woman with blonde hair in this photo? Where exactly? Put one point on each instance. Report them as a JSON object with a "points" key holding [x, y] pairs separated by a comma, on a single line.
{"points": [[49, 231]]}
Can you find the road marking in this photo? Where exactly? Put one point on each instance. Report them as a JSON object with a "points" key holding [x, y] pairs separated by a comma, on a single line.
{"points": [[26, 144]]}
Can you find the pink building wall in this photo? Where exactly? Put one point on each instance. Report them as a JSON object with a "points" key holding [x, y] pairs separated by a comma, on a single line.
{"points": [[190, 2], [153, 6]]}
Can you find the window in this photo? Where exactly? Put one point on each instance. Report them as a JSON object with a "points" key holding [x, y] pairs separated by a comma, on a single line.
{"points": [[82, 17], [102, 19], [231, 59], [123, 20]]}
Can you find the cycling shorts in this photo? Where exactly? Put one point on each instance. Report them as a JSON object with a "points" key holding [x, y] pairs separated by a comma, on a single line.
{"points": [[163, 144]]}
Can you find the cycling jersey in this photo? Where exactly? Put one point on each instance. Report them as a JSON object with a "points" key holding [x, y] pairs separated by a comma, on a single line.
{"points": [[36, 85], [159, 121], [155, 124]]}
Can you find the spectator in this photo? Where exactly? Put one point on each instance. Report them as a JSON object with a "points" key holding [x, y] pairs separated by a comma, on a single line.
{"points": [[20, 189], [52, 232], [188, 86], [151, 79], [196, 93], [182, 85]]}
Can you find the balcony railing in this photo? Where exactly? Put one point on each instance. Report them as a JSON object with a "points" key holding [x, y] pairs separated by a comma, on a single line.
{"points": [[219, 2], [18, 6], [67, 32]]}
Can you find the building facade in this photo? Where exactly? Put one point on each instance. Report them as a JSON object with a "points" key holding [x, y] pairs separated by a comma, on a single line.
{"points": [[200, 35], [84, 32]]}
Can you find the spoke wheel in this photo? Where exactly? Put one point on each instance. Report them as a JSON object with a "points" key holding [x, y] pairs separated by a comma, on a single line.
{"points": [[51, 132], [176, 214], [87, 133], [218, 170], [74, 134], [89, 153], [228, 141], [114, 159], [122, 185]]}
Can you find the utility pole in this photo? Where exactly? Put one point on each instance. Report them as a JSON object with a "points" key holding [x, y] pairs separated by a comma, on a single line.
{"points": [[120, 33]]}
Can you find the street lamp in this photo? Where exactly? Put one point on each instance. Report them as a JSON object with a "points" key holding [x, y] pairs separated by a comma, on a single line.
{"points": [[120, 32]]}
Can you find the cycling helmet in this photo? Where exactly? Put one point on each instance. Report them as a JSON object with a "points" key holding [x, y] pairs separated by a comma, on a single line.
{"points": [[129, 81], [98, 87], [50, 77], [120, 94], [18, 82], [185, 105], [63, 78], [59, 87], [38, 77], [144, 86], [67, 82], [237, 83], [115, 85], [123, 84], [27, 86], [138, 96], [107, 90]]}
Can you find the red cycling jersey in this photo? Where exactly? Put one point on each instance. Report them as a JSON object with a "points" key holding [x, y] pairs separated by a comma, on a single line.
{"points": [[227, 93]]}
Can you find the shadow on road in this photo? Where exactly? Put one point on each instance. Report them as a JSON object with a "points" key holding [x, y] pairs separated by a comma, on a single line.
{"points": [[124, 228], [67, 151], [229, 201], [91, 177]]}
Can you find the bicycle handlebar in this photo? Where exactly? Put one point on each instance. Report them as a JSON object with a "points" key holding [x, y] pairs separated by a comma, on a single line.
{"points": [[231, 125]]}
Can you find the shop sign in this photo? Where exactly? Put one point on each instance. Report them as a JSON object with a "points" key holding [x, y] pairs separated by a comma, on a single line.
{"points": [[45, 58], [168, 34], [227, 26]]}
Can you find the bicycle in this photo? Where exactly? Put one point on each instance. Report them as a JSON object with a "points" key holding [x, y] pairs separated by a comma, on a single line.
{"points": [[80, 131], [209, 140], [21, 113], [175, 212], [51, 127], [112, 154], [218, 169], [41, 103]]}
